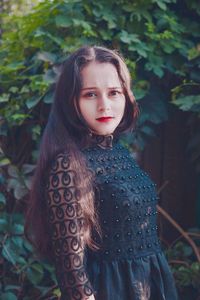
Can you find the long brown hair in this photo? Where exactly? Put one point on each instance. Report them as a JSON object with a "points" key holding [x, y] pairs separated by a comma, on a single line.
{"points": [[66, 131]]}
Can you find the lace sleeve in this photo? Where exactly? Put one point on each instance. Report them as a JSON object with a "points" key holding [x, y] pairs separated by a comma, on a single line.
{"points": [[65, 221]]}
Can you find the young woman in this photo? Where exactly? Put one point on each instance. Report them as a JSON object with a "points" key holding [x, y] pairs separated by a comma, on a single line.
{"points": [[92, 209]]}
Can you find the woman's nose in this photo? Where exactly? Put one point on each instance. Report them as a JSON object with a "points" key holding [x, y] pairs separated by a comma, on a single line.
{"points": [[104, 103]]}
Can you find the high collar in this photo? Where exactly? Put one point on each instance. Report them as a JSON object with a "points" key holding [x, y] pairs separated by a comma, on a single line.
{"points": [[103, 141]]}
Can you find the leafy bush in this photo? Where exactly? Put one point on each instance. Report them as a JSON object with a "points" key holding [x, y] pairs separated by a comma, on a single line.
{"points": [[185, 268], [159, 39]]}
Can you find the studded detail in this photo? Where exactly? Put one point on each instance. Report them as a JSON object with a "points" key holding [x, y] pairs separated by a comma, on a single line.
{"points": [[117, 235], [126, 202]]}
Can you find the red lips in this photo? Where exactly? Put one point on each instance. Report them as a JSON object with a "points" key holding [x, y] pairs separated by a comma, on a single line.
{"points": [[104, 119]]}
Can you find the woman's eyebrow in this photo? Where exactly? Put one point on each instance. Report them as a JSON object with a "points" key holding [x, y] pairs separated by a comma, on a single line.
{"points": [[95, 88], [89, 88], [115, 87]]}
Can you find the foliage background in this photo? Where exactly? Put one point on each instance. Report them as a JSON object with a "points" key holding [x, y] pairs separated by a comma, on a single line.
{"points": [[161, 42]]}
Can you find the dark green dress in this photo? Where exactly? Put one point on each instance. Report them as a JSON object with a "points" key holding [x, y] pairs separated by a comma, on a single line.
{"points": [[130, 264]]}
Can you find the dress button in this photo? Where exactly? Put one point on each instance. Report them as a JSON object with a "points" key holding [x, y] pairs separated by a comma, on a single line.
{"points": [[129, 233], [140, 247], [115, 177], [139, 232], [117, 235], [118, 250], [105, 236], [117, 220], [149, 245], [106, 181], [104, 222], [116, 206], [130, 177], [106, 252], [128, 219], [101, 200], [130, 250], [112, 195]]}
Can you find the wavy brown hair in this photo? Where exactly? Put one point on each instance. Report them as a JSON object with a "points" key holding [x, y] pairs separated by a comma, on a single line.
{"points": [[66, 130]]}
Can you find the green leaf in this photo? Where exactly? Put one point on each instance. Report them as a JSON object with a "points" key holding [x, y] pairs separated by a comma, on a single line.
{"points": [[4, 224], [4, 161], [48, 98], [4, 98], [186, 103], [148, 130], [128, 37], [63, 21], [13, 89], [28, 168], [18, 229], [13, 171], [47, 56], [31, 102], [8, 296], [2, 200], [35, 273], [161, 4], [19, 117]]}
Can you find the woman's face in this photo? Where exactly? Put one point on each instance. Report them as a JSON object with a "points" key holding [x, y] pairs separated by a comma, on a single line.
{"points": [[102, 100]]}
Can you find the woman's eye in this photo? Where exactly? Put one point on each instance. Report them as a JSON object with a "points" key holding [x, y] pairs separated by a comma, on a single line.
{"points": [[114, 93], [90, 95]]}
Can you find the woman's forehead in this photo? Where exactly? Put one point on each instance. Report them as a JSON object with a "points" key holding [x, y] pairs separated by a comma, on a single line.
{"points": [[97, 74]]}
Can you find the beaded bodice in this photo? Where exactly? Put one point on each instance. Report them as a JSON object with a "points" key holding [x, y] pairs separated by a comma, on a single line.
{"points": [[126, 200]]}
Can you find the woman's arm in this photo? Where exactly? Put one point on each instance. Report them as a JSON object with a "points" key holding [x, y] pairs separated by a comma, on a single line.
{"points": [[65, 220]]}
